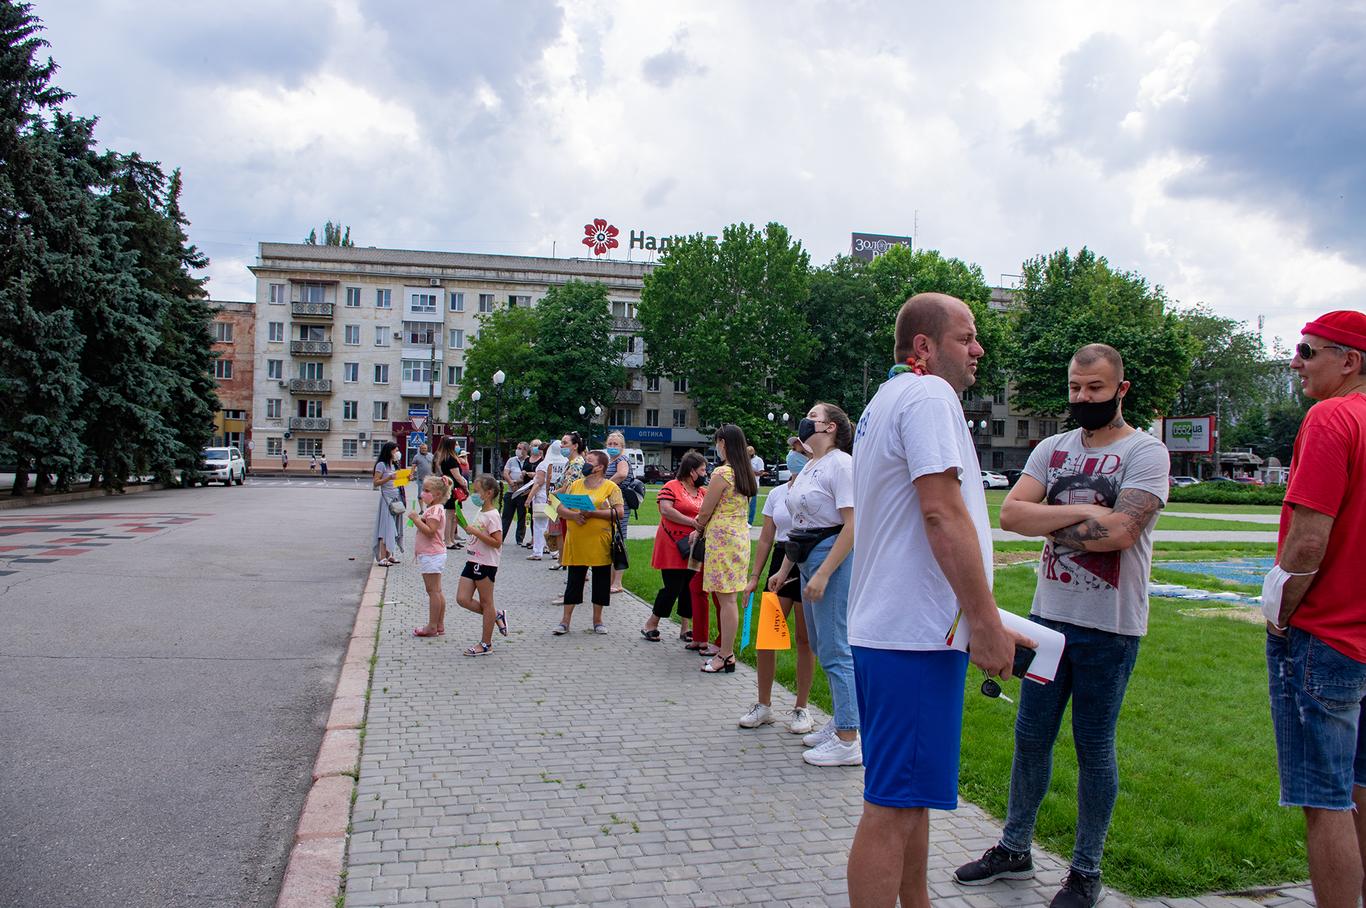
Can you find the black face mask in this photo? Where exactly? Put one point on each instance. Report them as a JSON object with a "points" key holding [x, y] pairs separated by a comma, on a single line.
{"points": [[1096, 414], [700, 481], [806, 428]]}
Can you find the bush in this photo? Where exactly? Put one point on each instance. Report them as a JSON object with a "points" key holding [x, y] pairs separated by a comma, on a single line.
{"points": [[1228, 493]]}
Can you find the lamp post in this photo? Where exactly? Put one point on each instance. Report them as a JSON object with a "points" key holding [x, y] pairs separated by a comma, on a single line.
{"points": [[498, 378], [597, 412], [583, 414], [474, 435]]}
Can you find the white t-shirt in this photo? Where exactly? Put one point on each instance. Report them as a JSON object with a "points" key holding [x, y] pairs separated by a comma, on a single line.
{"points": [[756, 463], [546, 467], [899, 597], [775, 506], [824, 485]]}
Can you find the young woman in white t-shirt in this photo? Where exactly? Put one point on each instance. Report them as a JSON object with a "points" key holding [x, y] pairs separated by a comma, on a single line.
{"points": [[822, 499]]}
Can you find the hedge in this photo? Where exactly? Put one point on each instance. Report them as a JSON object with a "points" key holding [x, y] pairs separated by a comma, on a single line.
{"points": [[1228, 493]]}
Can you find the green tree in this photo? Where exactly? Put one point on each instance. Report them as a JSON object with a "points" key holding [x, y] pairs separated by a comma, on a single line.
{"points": [[333, 235], [1229, 368], [1069, 301], [727, 316]]}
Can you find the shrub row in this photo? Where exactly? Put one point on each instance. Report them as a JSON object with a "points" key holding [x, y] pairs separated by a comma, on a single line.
{"points": [[1228, 493]]}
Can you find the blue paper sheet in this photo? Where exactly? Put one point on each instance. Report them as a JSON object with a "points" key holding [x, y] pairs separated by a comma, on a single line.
{"points": [[576, 502], [749, 613]]}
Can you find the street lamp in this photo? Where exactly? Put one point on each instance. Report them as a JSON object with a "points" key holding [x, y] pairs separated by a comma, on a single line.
{"points": [[583, 414], [597, 412], [498, 378], [474, 435]]}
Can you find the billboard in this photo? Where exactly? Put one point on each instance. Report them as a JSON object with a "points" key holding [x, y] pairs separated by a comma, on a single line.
{"points": [[868, 246], [1188, 434]]}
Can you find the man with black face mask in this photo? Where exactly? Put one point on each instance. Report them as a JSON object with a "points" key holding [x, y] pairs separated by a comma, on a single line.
{"points": [[1094, 493]]}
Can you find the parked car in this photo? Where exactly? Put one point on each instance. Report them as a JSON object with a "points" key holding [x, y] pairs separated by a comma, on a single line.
{"points": [[1012, 476], [782, 472], [1184, 480], [1249, 480], [653, 472], [1217, 479], [225, 465], [994, 480]]}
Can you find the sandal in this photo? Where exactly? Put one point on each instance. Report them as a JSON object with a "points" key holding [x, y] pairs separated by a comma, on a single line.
{"points": [[652, 635], [616, 589], [479, 649], [600, 629], [501, 620], [425, 631], [694, 646], [685, 636], [560, 630], [727, 665]]}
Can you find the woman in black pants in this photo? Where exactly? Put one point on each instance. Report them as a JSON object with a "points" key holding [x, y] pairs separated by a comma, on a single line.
{"points": [[588, 541], [679, 502]]}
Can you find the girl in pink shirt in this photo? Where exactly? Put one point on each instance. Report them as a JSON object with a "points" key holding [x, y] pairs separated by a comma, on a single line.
{"points": [[486, 544], [431, 552]]}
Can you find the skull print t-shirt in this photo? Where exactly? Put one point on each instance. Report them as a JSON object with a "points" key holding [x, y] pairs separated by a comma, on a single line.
{"points": [[1103, 590]]}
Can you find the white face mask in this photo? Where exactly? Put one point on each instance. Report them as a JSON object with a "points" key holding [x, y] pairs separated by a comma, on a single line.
{"points": [[1272, 589]]}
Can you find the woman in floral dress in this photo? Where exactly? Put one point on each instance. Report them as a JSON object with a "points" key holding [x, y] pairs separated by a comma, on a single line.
{"points": [[724, 522]]}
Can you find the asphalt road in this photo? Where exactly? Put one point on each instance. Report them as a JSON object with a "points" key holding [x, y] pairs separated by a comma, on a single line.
{"points": [[164, 681]]}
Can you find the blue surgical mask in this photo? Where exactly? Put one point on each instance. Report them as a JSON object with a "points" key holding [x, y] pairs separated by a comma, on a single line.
{"points": [[796, 461], [613, 452], [564, 452], [477, 499]]}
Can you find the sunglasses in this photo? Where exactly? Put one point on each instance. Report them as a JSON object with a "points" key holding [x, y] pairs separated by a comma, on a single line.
{"points": [[1306, 352]]}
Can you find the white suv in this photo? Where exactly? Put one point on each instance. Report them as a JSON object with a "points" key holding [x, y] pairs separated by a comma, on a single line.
{"points": [[223, 465]]}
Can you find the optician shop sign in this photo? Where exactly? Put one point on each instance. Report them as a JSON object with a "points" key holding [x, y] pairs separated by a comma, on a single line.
{"points": [[1188, 434], [868, 246]]}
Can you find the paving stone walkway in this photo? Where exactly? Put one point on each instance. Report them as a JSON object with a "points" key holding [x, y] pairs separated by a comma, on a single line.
{"points": [[604, 770]]}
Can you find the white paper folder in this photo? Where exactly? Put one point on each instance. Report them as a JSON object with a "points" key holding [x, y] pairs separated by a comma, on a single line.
{"points": [[1044, 668]]}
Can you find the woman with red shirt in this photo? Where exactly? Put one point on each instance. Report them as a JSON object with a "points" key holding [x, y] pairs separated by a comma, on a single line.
{"points": [[679, 502]]}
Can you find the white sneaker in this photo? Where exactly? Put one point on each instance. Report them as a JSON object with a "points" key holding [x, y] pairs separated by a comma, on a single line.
{"points": [[758, 714], [800, 722], [836, 753], [817, 738]]}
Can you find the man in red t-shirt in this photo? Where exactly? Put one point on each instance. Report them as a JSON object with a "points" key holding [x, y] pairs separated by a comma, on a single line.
{"points": [[1316, 640]]}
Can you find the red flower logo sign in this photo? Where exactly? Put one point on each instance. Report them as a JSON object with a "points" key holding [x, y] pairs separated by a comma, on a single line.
{"points": [[600, 236]]}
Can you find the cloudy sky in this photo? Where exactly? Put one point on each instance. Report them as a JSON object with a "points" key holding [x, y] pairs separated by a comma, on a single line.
{"points": [[1218, 148]]}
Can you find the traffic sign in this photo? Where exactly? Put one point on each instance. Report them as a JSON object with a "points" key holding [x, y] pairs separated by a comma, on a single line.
{"points": [[416, 438]]}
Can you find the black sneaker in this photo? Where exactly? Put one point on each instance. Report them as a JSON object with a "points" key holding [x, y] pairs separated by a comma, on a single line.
{"points": [[997, 863], [1078, 891]]}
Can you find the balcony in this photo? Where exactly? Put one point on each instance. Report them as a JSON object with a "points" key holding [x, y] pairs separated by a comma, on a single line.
{"points": [[421, 389], [633, 360], [627, 396], [312, 311], [626, 325], [310, 348], [310, 423], [310, 386]]}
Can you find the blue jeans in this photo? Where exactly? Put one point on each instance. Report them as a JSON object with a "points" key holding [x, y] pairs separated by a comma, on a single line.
{"points": [[827, 628], [753, 508], [1317, 697], [1093, 674]]}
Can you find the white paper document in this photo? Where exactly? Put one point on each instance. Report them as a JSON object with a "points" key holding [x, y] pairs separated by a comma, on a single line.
{"points": [[1044, 668]]}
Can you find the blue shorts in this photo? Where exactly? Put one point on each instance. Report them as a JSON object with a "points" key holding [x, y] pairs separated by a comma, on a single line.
{"points": [[911, 716], [1317, 698]]}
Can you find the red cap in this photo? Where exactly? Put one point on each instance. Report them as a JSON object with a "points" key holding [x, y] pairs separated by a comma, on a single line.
{"points": [[1345, 326]]}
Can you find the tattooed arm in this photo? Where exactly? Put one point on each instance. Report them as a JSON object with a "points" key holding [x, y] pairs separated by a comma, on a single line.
{"points": [[1120, 529]]}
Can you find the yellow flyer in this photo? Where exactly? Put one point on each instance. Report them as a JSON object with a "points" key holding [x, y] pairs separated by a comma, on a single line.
{"points": [[403, 476]]}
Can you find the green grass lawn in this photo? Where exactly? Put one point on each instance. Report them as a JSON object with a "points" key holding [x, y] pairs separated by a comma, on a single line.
{"points": [[648, 515], [1197, 810]]}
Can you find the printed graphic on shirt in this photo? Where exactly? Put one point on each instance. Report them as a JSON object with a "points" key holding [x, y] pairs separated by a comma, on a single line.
{"points": [[1080, 477]]}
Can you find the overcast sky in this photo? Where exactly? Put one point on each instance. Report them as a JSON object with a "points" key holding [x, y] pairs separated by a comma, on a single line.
{"points": [[1218, 148]]}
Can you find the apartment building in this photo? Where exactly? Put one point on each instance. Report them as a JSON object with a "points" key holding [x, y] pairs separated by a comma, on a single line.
{"points": [[234, 340], [351, 340]]}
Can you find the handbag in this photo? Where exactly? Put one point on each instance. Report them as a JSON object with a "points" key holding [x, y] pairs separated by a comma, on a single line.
{"points": [[396, 507], [800, 542], [620, 560]]}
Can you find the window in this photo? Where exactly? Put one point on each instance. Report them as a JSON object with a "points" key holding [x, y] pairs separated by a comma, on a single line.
{"points": [[312, 333], [272, 408], [631, 344], [277, 332], [419, 370], [423, 333], [486, 302], [310, 447], [222, 332], [381, 335], [222, 368], [680, 386], [352, 334], [998, 459], [455, 375], [277, 294], [312, 293], [618, 308], [349, 448], [234, 414], [311, 409], [652, 417], [274, 446], [680, 419], [353, 297], [311, 370], [516, 300], [384, 299], [652, 384], [998, 428], [275, 368], [381, 373], [381, 410], [456, 339], [350, 372], [457, 302], [621, 417], [1048, 427], [350, 409], [422, 302], [999, 397], [1021, 428]]}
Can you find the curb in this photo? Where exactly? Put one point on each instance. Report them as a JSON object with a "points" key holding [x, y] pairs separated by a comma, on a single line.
{"points": [[318, 856], [8, 502]]}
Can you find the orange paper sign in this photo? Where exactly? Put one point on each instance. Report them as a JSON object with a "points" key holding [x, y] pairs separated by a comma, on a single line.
{"points": [[772, 625]]}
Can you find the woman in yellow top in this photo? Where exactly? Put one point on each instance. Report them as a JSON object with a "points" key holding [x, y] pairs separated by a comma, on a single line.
{"points": [[724, 520], [588, 541]]}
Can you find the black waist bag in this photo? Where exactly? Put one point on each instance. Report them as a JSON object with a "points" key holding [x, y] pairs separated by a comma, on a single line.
{"points": [[800, 542]]}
